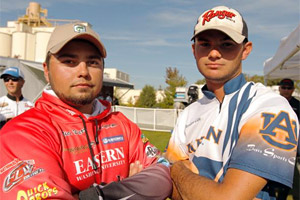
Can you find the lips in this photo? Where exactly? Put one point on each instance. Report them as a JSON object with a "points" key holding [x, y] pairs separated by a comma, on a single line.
{"points": [[214, 65], [82, 85]]}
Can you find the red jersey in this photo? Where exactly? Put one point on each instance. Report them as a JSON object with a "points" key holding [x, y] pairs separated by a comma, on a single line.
{"points": [[53, 151]]}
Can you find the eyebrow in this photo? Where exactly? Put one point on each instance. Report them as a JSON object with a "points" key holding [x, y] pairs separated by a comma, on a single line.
{"points": [[207, 40], [75, 56]]}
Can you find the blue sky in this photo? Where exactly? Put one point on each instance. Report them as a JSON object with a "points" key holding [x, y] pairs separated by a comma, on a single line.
{"points": [[144, 37]]}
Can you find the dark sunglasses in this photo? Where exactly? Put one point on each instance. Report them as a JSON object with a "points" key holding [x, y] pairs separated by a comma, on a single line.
{"points": [[286, 88], [14, 79]]}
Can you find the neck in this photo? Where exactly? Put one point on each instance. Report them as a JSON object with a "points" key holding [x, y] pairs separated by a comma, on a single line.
{"points": [[15, 97], [217, 89], [86, 109]]}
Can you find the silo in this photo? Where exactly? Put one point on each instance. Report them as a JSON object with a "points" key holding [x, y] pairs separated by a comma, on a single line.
{"points": [[5, 41], [42, 39], [23, 45]]}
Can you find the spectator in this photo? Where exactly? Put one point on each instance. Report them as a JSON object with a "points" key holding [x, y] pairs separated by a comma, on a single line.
{"points": [[13, 103], [240, 136], [70, 142]]}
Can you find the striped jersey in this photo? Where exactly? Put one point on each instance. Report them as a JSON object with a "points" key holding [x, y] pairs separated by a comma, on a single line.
{"points": [[253, 129]]}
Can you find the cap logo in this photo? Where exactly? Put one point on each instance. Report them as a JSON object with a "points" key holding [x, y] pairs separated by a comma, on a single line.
{"points": [[220, 14], [79, 28]]}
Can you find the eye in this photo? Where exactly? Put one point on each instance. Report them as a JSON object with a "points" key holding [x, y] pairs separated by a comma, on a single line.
{"points": [[94, 63], [227, 45]]}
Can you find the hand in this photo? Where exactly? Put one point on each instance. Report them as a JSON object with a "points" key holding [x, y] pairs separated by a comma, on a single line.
{"points": [[135, 168]]}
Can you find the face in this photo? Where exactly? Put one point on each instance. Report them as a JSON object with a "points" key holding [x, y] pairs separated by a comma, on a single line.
{"points": [[75, 73], [286, 91], [218, 57], [13, 85]]}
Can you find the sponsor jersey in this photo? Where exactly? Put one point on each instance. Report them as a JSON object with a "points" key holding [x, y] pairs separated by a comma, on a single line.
{"points": [[10, 108], [53, 151], [253, 129]]}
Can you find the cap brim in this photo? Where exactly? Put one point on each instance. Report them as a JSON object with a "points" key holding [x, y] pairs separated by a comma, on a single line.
{"points": [[237, 37]]}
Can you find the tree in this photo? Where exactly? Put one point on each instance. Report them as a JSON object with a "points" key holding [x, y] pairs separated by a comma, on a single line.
{"points": [[173, 79], [147, 97]]}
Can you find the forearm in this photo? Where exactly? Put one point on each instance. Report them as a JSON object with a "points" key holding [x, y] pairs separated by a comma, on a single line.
{"points": [[237, 184], [152, 183]]}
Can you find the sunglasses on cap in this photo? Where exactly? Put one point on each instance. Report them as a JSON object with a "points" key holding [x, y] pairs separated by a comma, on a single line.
{"points": [[14, 79], [286, 88]]}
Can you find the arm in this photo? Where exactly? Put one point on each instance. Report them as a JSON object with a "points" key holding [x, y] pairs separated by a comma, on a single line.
{"points": [[237, 184], [30, 161], [149, 184]]}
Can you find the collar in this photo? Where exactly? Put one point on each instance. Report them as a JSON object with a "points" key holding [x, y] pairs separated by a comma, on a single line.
{"points": [[229, 87], [14, 98]]}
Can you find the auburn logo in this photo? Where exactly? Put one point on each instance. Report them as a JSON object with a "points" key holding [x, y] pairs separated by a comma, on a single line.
{"points": [[279, 131]]}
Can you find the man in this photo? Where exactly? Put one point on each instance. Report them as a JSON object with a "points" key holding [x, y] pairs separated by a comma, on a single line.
{"points": [[70, 141], [240, 136], [13, 103], [286, 89]]}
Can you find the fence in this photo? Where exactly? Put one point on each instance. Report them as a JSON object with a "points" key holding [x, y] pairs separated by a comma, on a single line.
{"points": [[151, 119]]}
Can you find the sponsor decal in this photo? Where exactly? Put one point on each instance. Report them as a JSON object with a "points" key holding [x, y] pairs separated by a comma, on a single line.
{"points": [[77, 150], [151, 151], [107, 126], [108, 158], [41, 191], [279, 131], [22, 171], [113, 139], [221, 14], [73, 132], [144, 138], [4, 104], [78, 28], [9, 165], [271, 153]]}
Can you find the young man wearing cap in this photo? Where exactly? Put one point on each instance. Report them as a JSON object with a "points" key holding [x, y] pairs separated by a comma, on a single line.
{"points": [[240, 136], [286, 89], [13, 103], [71, 142]]}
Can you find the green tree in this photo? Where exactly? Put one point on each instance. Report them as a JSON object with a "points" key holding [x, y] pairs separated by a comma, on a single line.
{"points": [[173, 79], [147, 97]]}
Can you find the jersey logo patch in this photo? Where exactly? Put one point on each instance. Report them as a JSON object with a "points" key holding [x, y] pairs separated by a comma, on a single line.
{"points": [[23, 171], [279, 131]]}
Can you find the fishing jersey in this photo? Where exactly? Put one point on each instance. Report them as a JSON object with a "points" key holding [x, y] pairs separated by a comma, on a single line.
{"points": [[53, 151], [10, 108], [253, 129]]}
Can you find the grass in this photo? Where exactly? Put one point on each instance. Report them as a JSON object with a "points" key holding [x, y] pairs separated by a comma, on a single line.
{"points": [[158, 139]]}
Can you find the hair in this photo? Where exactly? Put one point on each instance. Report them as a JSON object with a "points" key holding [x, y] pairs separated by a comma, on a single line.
{"points": [[49, 54]]}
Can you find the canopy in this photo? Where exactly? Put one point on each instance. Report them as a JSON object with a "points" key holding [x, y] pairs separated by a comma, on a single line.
{"points": [[286, 61]]}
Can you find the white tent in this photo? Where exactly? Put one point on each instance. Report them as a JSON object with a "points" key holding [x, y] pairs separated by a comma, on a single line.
{"points": [[286, 61]]}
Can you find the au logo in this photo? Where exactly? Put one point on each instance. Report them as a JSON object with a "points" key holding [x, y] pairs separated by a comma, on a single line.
{"points": [[279, 131], [79, 28]]}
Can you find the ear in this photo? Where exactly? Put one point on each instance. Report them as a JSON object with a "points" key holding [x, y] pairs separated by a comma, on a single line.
{"points": [[193, 49], [46, 72], [247, 50]]}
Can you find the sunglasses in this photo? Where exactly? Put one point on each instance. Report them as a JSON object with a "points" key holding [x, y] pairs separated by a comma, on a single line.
{"points": [[286, 88], [14, 79]]}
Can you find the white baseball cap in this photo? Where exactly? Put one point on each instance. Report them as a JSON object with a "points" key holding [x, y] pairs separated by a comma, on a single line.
{"points": [[224, 19], [65, 33]]}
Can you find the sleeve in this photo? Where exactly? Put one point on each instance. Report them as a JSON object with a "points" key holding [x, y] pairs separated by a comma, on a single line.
{"points": [[175, 151], [268, 141], [30, 162], [143, 185]]}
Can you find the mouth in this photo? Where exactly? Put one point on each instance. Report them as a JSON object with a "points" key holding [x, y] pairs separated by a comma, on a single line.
{"points": [[82, 85], [214, 65]]}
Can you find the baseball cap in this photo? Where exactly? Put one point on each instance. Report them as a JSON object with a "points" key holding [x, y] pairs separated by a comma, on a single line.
{"points": [[224, 19], [13, 71], [287, 82], [67, 32]]}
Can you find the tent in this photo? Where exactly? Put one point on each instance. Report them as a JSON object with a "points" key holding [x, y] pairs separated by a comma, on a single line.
{"points": [[286, 61]]}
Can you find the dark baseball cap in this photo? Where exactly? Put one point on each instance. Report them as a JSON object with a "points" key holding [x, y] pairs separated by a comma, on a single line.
{"points": [[287, 82]]}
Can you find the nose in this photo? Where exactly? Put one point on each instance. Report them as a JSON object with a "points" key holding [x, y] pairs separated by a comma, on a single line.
{"points": [[83, 70], [214, 53]]}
